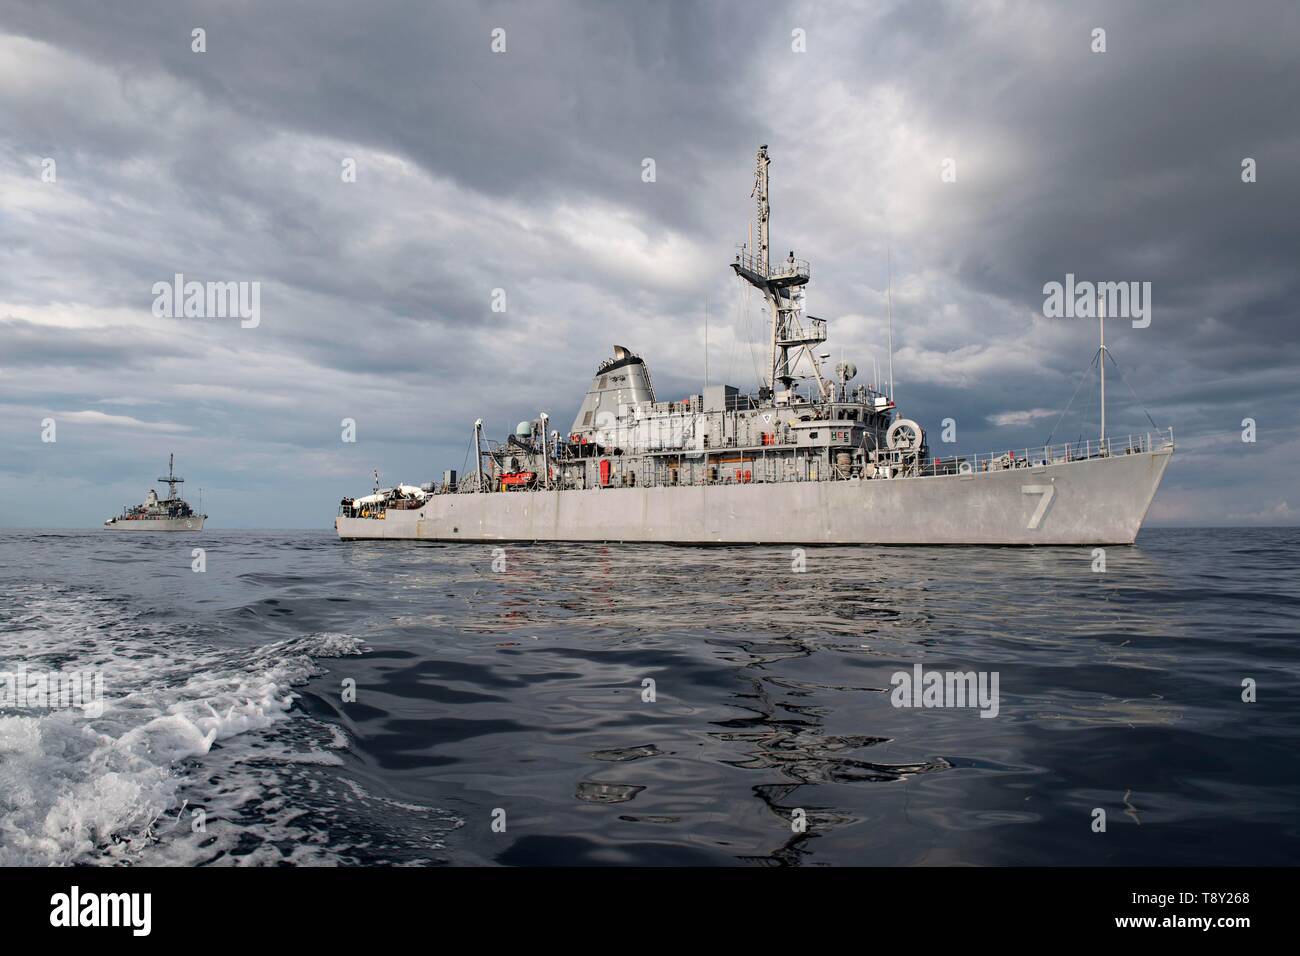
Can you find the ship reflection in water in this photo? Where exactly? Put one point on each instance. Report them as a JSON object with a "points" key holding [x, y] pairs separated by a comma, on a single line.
{"points": [[678, 705], [772, 703]]}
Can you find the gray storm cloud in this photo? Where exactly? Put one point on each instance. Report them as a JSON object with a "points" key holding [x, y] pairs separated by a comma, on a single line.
{"points": [[521, 171]]}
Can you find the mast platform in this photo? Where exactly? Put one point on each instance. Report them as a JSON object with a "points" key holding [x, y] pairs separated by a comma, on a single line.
{"points": [[781, 275]]}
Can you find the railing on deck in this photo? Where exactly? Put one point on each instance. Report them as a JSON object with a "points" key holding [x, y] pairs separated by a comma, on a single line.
{"points": [[644, 472], [1048, 454]]}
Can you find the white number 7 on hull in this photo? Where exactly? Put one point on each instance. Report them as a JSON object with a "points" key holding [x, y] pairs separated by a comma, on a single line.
{"points": [[1048, 492]]}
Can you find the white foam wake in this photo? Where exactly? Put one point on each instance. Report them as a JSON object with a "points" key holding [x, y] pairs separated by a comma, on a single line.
{"points": [[77, 789]]}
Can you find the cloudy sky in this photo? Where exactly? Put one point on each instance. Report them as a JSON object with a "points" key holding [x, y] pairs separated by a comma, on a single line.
{"points": [[522, 170]]}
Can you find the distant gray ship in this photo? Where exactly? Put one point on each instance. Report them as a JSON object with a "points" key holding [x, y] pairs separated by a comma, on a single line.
{"points": [[160, 514], [809, 459]]}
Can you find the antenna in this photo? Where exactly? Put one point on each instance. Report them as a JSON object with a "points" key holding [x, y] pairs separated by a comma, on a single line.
{"points": [[478, 454], [706, 342], [764, 209], [1101, 356], [546, 464], [760, 265], [889, 313]]}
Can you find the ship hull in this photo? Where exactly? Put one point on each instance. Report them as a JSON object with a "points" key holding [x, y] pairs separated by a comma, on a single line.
{"points": [[1097, 501], [194, 523]]}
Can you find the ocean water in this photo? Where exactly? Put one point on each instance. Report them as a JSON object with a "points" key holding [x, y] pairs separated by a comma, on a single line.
{"points": [[517, 696]]}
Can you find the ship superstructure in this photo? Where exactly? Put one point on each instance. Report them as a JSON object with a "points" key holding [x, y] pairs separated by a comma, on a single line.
{"points": [[160, 514], [811, 457]]}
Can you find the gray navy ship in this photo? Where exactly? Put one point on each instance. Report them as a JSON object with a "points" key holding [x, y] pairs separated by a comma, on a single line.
{"points": [[810, 458], [160, 514]]}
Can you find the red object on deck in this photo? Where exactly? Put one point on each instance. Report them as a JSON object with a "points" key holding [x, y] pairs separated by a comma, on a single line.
{"points": [[604, 471], [517, 478]]}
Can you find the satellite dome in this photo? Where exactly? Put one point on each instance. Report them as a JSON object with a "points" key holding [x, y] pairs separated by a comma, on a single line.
{"points": [[524, 429]]}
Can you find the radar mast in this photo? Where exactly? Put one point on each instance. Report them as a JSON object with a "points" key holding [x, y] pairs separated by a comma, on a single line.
{"points": [[170, 479], [782, 289]]}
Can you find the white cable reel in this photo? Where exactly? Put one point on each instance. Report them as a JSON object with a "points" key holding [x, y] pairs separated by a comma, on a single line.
{"points": [[905, 435]]}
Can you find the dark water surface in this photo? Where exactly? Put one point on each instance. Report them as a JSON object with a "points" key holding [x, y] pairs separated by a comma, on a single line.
{"points": [[522, 690]]}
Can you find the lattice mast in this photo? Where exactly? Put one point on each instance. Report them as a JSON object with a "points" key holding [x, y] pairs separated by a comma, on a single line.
{"points": [[782, 287], [170, 479]]}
